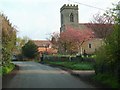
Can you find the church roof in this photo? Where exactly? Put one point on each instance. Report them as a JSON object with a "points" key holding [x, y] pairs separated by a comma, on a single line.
{"points": [[91, 25], [98, 29]]}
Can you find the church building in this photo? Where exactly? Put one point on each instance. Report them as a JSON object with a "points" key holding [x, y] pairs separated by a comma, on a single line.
{"points": [[70, 17]]}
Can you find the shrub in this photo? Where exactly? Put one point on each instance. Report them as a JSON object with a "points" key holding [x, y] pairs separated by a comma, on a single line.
{"points": [[7, 68], [107, 79]]}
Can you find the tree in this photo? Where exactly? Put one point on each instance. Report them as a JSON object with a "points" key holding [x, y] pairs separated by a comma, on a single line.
{"points": [[20, 42], [54, 39], [8, 39], [114, 47], [102, 25], [108, 57], [71, 40], [30, 50]]}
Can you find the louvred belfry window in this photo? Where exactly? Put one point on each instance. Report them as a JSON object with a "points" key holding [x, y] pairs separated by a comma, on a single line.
{"points": [[71, 17]]}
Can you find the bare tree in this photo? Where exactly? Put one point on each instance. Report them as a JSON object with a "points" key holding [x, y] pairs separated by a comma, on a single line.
{"points": [[102, 25], [54, 39]]}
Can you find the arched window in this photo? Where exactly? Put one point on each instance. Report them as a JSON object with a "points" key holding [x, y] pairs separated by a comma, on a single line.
{"points": [[71, 17]]}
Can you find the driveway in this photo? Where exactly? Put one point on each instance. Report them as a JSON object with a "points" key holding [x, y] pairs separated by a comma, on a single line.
{"points": [[36, 75]]}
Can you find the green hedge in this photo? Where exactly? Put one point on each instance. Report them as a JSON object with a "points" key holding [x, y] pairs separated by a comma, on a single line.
{"points": [[72, 58]]}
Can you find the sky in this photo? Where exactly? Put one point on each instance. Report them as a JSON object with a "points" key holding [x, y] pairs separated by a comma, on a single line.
{"points": [[37, 19]]}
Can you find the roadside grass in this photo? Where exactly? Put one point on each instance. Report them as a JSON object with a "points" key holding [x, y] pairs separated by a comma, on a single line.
{"points": [[107, 79], [73, 65], [7, 68], [36, 60], [0, 70]]}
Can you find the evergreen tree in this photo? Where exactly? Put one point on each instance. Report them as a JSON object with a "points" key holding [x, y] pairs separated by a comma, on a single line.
{"points": [[29, 50]]}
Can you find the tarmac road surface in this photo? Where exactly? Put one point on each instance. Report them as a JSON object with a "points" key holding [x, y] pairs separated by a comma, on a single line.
{"points": [[36, 75]]}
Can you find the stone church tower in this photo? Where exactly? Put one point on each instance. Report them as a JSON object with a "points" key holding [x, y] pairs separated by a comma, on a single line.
{"points": [[69, 16]]}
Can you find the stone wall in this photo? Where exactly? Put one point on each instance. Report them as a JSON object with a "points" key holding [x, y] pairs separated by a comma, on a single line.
{"points": [[95, 44]]}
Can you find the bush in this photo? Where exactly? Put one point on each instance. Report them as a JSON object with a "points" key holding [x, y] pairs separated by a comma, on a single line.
{"points": [[56, 58], [7, 69], [107, 79], [62, 58]]}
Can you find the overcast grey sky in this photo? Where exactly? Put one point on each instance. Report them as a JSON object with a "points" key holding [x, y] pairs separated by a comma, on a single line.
{"points": [[38, 18]]}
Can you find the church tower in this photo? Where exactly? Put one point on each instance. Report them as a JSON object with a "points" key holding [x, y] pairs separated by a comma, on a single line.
{"points": [[69, 16]]}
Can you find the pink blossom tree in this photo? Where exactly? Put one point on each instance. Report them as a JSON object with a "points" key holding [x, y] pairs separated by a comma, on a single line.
{"points": [[71, 39]]}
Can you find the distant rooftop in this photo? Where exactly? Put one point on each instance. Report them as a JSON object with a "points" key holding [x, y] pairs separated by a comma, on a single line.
{"points": [[41, 43]]}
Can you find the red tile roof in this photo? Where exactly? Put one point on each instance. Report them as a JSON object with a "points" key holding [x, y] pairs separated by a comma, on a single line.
{"points": [[48, 50], [42, 43], [41, 46]]}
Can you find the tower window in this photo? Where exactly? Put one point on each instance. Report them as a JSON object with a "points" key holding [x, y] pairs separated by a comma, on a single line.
{"points": [[71, 17], [61, 18], [90, 45]]}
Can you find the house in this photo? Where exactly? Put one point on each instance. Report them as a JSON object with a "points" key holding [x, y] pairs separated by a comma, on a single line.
{"points": [[45, 46]]}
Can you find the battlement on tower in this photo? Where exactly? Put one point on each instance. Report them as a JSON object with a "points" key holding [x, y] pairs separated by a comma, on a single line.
{"points": [[69, 6]]}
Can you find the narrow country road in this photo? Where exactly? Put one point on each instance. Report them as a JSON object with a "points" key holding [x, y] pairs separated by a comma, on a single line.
{"points": [[36, 75]]}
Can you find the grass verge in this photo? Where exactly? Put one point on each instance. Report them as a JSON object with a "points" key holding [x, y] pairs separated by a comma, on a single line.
{"points": [[0, 70], [107, 79], [36, 60], [72, 65], [7, 68]]}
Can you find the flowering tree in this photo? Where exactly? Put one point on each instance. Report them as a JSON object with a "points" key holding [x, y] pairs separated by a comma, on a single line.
{"points": [[71, 40]]}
